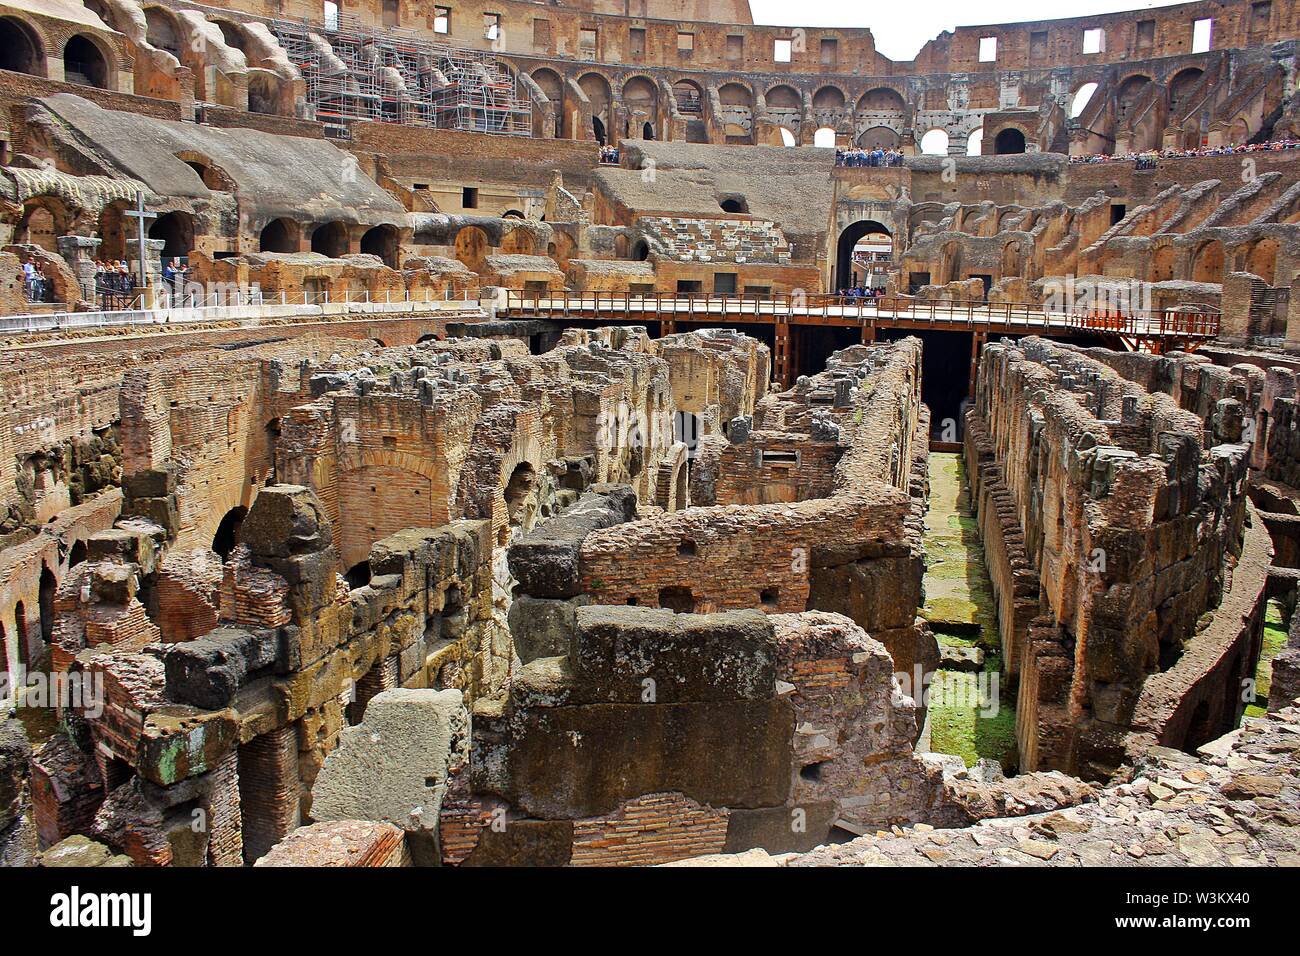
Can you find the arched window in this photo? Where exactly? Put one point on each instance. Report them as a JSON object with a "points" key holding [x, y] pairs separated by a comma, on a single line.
{"points": [[935, 143], [331, 240], [280, 235], [382, 241], [83, 63], [1081, 99], [975, 141], [1009, 141], [824, 138], [20, 49]]}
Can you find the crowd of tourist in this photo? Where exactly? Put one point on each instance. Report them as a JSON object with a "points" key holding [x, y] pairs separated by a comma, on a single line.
{"points": [[113, 276], [1148, 159], [36, 284], [609, 155], [863, 292], [869, 157]]}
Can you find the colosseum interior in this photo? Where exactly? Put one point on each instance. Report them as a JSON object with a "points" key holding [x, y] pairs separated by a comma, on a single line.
{"points": [[620, 433]]}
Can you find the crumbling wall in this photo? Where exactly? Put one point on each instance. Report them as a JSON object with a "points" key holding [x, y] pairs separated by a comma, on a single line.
{"points": [[1108, 497]]}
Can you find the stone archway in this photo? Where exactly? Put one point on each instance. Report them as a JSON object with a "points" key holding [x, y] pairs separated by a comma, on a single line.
{"points": [[84, 63], [331, 239], [1009, 141], [847, 243], [21, 48], [383, 241]]}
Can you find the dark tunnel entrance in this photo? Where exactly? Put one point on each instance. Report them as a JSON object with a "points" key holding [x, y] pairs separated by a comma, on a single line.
{"points": [[945, 377]]}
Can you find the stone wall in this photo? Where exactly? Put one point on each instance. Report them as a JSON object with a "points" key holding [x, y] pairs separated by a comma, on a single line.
{"points": [[1110, 500]]}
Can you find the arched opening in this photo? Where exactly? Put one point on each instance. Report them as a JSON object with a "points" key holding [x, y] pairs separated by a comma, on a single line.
{"points": [[1181, 89], [1081, 98], [227, 535], [734, 204], [232, 35], [975, 141], [824, 138], [1262, 259], [640, 250], [1131, 91], [331, 240], [596, 89], [20, 49], [77, 555], [598, 130], [737, 117], [382, 241], [1009, 141], [161, 31], [881, 100], [20, 626], [358, 576], [46, 600], [279, 235], [39, 227], [688, 97], [878, 137], [827, 99], [681, 488], [471, 246], [1208, 263], [214, 177], [176, 230], [263, 96], [641, 99], [512, 214], [549, 82], [522, 481], [678, 599], [864, 251], [935, 143], [787, 137], [83, 63]]}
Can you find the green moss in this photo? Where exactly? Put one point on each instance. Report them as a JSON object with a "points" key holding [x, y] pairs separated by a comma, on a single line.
{"points": [[959, 605], [1274, 641]]}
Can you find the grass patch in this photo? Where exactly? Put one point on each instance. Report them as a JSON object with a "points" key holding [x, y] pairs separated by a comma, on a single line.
{"points": [[1274, 642]]}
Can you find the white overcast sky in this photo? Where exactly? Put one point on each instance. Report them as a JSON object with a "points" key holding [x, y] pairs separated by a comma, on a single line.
{"points": [[901, 27]]}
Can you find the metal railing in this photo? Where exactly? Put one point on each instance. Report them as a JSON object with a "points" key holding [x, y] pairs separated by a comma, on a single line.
{"points": [[220, 307], [821, 308]]}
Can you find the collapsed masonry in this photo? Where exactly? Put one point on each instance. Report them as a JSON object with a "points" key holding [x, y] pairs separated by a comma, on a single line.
{"points": [[617, 604], [559, 667]]}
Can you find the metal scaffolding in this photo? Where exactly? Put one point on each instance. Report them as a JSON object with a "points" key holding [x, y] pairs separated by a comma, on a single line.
{"points": [[356, 73]]}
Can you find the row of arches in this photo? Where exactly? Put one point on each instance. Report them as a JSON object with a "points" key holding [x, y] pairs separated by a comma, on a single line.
{"points": [[640, 97], [85, 61], [333, 239]]}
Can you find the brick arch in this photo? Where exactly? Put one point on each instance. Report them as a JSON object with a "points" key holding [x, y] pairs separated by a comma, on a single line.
{"points": [[1260, 258], [835, 88], [1163, 262], [35, 210], [784, 85], [107, 54], [37, 39], [900, 106], [1207, 263]]}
